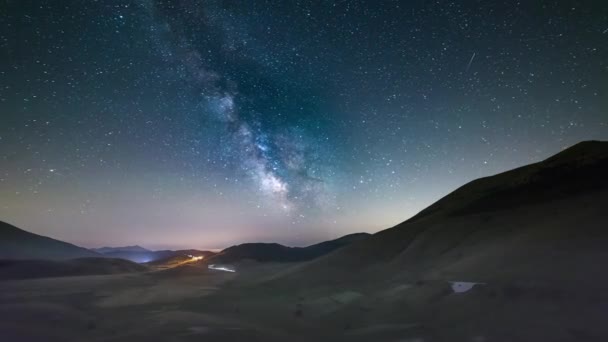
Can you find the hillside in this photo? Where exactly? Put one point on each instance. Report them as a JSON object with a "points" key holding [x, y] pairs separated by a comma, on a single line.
{"points": [[274, 252], [106, 250], [561, 198], [533, 239], [577, 170], [27, 269], [16, 243]]}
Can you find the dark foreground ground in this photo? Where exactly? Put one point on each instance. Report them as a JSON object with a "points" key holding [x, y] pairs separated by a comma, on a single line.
{"points": [[188, 304], [156, 306], [196, 304]]}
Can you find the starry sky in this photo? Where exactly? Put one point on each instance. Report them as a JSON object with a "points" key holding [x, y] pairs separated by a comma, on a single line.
{"points": [[202, 124]]}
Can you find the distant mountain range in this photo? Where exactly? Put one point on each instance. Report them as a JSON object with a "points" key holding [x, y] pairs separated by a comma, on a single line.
{"points": [[262, 252], [141, 255], [27, 255], [106, 250], [16, 243], [274, 252]]}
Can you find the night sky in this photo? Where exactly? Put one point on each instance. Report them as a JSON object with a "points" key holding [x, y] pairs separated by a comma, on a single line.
{"points": [[203, 124]]}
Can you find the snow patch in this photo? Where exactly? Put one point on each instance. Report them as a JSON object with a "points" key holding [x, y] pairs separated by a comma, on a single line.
{"points": [[463, 286]]}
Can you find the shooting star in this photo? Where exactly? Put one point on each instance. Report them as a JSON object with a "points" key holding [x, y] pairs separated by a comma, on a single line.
{"points": [[471, 61]]}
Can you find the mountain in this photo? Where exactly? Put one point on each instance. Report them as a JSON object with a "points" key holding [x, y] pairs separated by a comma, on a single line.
{"points": [[274, 252], [139, 257], [519, 256], [106, 250], [16, 243], [560, 199], [27, 269], [133, 253], [579, 169], [142, 255]]}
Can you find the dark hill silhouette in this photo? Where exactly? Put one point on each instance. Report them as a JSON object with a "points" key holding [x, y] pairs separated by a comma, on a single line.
{"points": [[535, 237], [562, 198], [274, 252], [576, 170], [16, 243], [26, 269], [106, 250]]}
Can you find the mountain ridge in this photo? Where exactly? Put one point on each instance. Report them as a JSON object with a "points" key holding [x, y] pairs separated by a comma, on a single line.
{"points": [[16, 243], [274, 252], [482, 206], [522, 261], [133, 248], [592, 155]]}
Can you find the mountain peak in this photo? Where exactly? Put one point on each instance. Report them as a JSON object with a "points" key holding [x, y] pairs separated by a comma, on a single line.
{"points": [[589, 150], [578, 169]]}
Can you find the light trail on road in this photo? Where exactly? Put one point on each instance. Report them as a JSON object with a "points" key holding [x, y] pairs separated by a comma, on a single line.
{"points": [[221, 268]]}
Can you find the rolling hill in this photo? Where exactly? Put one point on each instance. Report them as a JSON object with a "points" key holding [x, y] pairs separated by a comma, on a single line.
{"points": [[27, 269], [274, 252], [16, 243], [559, 202], [528, 246]]}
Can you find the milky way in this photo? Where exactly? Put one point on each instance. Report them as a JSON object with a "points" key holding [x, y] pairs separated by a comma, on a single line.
{"points": [[277, 162], [182, 123]]}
